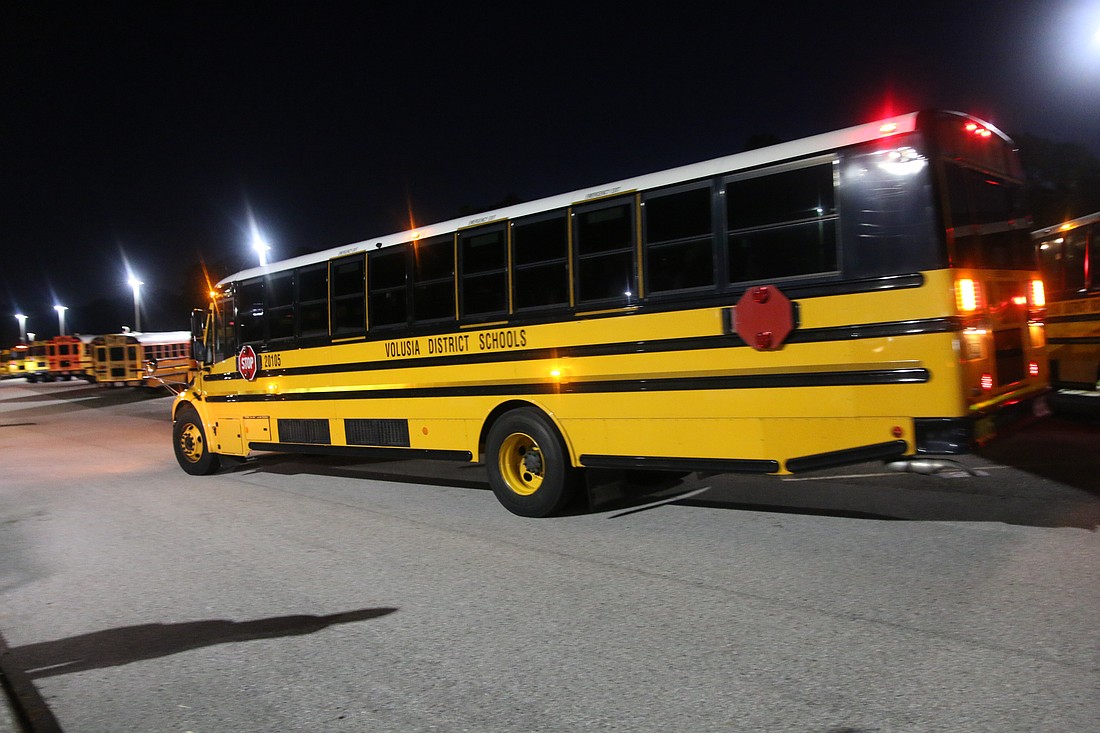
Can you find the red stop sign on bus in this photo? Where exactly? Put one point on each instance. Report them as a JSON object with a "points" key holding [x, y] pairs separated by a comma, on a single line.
{"points": [[247, 363], [764, 318]]}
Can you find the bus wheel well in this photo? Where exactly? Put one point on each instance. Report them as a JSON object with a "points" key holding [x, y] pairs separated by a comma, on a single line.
{"points": [[502, 409], [181, 405]]}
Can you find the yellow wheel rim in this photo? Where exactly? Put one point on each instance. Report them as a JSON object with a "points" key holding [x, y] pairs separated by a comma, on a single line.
{"points": [[521, 464], [191, 443]]}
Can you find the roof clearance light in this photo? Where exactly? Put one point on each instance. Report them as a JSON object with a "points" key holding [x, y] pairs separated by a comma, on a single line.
{"points": [[977, 130], [888, 128], [966, 295]]}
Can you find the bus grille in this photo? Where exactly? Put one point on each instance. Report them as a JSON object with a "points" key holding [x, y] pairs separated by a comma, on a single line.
{"points": [[1009, 347], [393, 433], [304, 431]]}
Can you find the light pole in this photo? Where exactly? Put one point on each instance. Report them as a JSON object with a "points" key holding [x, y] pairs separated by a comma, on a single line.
{"points": [[60, 318], [136, 285], [22, 327]]}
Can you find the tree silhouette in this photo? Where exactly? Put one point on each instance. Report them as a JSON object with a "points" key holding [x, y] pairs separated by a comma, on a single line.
{"points": [[1063, 179]]}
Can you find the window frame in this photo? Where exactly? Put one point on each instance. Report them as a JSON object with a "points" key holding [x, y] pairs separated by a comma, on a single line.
{"points": [[626, 298], [710, 185]]}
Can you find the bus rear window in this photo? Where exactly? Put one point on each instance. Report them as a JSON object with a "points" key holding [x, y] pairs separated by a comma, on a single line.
{"points": [[988, 221]]}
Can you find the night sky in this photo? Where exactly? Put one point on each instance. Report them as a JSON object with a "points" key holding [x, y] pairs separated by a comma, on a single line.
{"points": [[149, 132]]}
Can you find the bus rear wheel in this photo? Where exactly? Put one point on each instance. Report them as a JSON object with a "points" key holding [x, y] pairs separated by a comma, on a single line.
{"points": [[528, 466], [189, 442]]}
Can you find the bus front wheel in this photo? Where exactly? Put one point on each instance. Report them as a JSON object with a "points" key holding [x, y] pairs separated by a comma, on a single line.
{"points": [[189, 441], [528, 466]]}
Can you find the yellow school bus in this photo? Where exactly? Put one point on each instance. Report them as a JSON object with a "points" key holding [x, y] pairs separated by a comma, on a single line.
{"points": [[68, 357], [864, 294], [15, 363], [136, 359], [1069, 258], [36, 365]]}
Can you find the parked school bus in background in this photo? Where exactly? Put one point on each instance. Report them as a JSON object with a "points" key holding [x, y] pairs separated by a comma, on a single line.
{"points": [[68, 357], [865, 294], [134, 359], [15, 363], [1069, 257], [36, 364]]}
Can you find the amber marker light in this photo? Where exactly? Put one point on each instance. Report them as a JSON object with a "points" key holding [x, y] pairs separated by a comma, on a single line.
{"points": [[1038, 294], [966, 295]]}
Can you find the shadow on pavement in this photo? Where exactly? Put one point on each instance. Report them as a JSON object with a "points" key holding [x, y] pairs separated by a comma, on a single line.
{"points": [[1059, 448], [114, 647], [89, 397], [865, 491]]}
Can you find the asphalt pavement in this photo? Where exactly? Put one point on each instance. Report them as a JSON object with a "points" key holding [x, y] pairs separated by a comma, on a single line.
{"points": [[308, 594], [8, 722]]}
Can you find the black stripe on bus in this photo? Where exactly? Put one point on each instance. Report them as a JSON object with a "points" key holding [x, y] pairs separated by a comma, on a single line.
{"points": [[729, 340], [660, 463], [848, 456], [355, 451], [1071, 340], [659, 384], [1081, 318]]}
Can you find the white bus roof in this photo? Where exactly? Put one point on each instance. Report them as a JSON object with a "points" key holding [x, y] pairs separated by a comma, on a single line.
{"points": [[749, 159], [155, 337], [1066, 226]]}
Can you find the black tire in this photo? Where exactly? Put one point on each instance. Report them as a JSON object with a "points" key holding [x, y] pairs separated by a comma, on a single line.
{"points": [[528, 467], [189, 444]]}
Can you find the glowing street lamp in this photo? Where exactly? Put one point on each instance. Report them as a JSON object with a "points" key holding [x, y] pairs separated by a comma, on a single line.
{"points": [[261, 246], [60, 318], [22, 327], [136, 285]]}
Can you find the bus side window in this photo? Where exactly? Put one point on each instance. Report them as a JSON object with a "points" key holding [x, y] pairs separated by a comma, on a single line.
{"points": [[679, 239], [388, 279], [279, 306], [433, 292], [483, 262], [349, 296], [540, 261], [312, 300], [782, 223], [604, 248]]}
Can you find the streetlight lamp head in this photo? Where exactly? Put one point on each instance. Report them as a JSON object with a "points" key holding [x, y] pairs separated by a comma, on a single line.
{"points": [[60, 318], [260, 245], [22, 327]]}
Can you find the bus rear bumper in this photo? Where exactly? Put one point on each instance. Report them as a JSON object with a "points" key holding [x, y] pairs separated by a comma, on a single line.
{"points": [[956, 435]]}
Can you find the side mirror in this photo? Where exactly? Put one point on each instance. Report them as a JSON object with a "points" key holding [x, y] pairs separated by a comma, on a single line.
{"points": [[198, 328]]}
